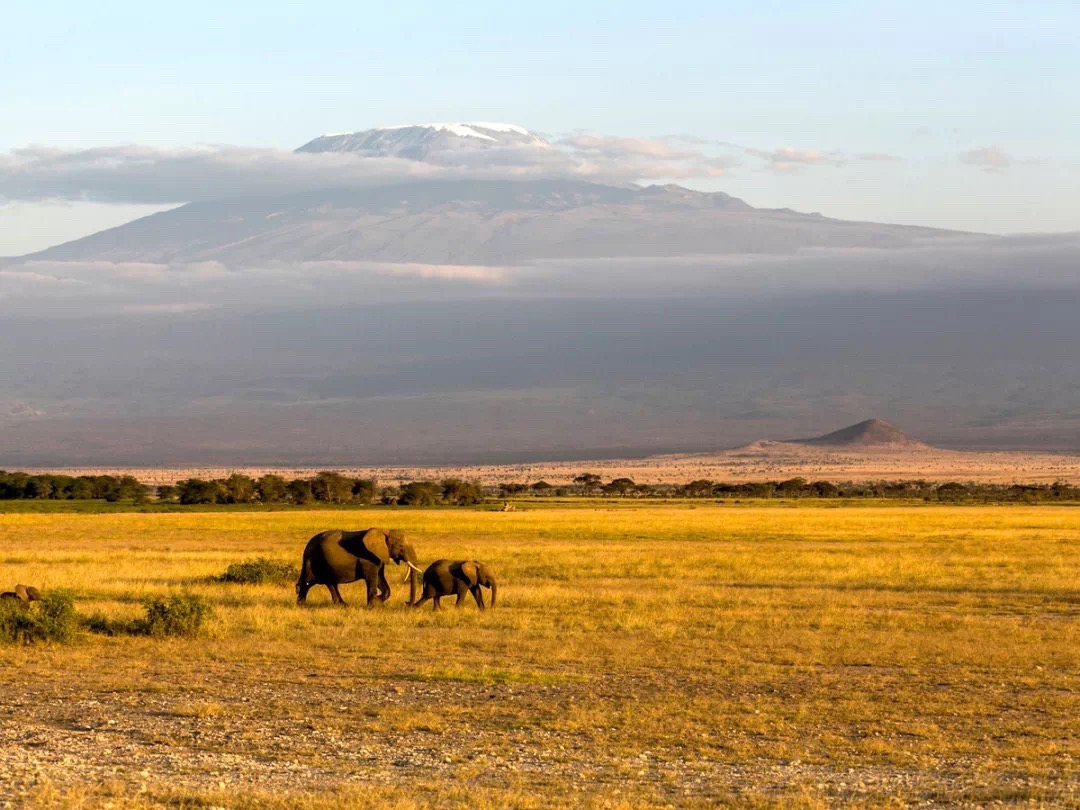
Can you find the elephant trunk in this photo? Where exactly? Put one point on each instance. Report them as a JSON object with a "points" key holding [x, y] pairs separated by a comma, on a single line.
{"points": [[494, 591], [414, 570]]}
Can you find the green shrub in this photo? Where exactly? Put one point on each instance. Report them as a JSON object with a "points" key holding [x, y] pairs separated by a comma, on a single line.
{"points": [[179, 615], [260, 571], [51, 619]]}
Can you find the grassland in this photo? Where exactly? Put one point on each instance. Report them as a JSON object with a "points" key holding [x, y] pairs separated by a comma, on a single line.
{"points": [[641, 655]]}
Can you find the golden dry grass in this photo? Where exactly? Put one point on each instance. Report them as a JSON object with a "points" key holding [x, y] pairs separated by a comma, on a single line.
{"points": [[640, 656]]}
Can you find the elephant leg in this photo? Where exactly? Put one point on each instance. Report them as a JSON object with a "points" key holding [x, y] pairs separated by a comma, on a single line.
{"points": [[422, 599], [478, 595], [435, 602], [372, 582], [384, 586], [334, 595]]}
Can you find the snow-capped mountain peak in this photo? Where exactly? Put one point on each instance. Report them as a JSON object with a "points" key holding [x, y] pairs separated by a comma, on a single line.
{"points": [[419, 141]]}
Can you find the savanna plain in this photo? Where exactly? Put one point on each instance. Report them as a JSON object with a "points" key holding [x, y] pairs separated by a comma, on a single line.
{"points": [[641, 654]]}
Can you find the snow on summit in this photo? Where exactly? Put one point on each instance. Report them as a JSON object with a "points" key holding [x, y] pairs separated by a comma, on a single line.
{"points": [[419, 141]]}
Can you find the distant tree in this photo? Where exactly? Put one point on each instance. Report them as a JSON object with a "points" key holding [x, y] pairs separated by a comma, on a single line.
{"points": [[791, 488], [103, 484], [365, 490], [332, 487], [82, 489], [198, 491], [420, 493], [540, 487], [824, 489], [759, 489], [300, 491], [239, 488], [272, 489], [13, 485], [166, 492], [38, 487], [461, 493], [952, 491], [620, 487], [701, 488], [512, 488], [589, 482], [125, 488]]}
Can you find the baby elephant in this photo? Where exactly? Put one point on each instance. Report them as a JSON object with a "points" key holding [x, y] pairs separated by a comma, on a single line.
{"points": [[24, 593], [446, 577]]}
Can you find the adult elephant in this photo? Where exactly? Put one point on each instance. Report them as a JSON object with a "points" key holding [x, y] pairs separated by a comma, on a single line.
{"points": [[338, 557]]}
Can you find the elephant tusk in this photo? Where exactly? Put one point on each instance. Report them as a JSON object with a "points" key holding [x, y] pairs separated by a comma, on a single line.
{"points": [[406, 577], [413, 567]]}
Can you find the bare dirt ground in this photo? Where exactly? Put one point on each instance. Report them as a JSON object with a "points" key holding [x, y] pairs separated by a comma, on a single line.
{"points": [[274, 733], [759, 461]]}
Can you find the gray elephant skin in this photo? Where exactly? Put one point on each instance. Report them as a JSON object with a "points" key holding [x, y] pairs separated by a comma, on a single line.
{"points": [[336, 557], [457, 578]]}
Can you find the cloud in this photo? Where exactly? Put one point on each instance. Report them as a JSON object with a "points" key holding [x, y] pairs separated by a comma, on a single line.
{"points": [[988, 158], [879, 157], [450, 272], [179, 308], [140, 174], [59, 288], [645, 157], [134, 174], [52, 288], [789, 160]]}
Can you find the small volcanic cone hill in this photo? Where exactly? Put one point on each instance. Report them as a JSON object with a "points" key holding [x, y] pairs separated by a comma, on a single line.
{"points": [[873, 434]]}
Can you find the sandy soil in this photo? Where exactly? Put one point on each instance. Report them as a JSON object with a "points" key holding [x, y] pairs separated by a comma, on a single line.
{"points": [[756, 462]]}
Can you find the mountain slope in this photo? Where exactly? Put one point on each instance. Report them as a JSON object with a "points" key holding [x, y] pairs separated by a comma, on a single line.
{"points": [[873, 433], [474, 222]]}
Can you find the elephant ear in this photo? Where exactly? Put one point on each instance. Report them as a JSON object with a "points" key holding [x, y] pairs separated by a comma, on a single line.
{"points": [[470, 572], [374, 541]]}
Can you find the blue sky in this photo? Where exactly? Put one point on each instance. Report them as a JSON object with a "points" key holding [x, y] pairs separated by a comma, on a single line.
{"points": [[926, 82]]}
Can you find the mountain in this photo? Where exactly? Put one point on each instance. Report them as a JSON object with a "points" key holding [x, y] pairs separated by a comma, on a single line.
{"points": [[471, 318], [476, 222], [470, 218], [426, 141], [871, 434]]}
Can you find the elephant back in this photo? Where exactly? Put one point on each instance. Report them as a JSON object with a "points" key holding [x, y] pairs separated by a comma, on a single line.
{"points": [[338, 556]]}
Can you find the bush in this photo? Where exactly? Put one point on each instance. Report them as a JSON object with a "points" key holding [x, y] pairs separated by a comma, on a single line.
{"points": [[51, 619], [260, 571], [420, 493], [180, 615]]}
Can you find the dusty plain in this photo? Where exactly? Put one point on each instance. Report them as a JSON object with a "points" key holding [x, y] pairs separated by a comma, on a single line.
{"points": [[755, 462], [641, 655]]}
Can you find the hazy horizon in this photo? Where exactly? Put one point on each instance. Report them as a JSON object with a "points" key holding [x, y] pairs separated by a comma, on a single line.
{"points": [[695, 226]]}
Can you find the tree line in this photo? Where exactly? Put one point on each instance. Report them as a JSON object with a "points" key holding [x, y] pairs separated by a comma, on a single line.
{"points": [[326, 487], [23, 486], [336, 488]]}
